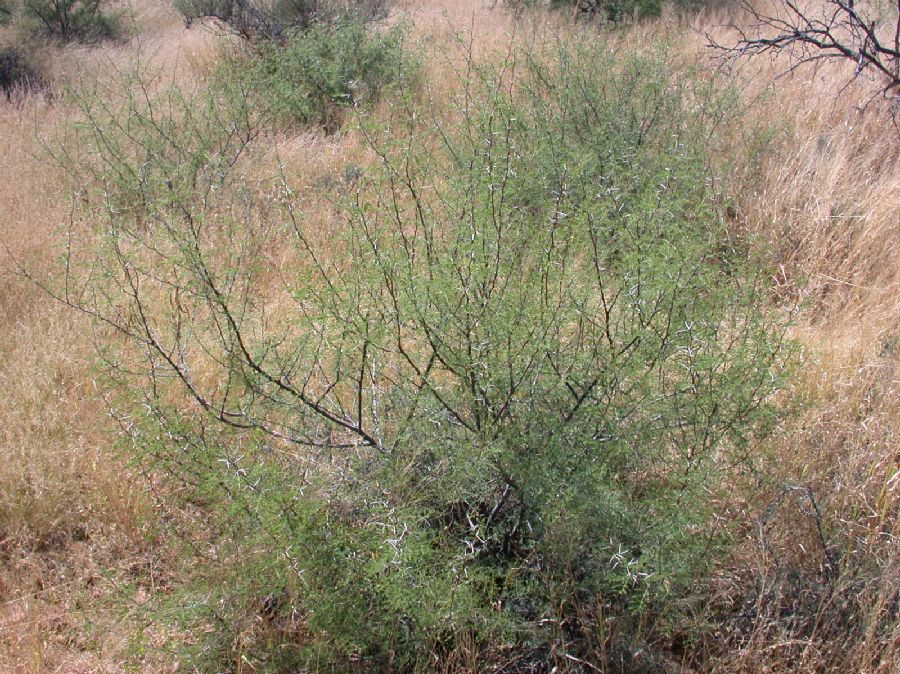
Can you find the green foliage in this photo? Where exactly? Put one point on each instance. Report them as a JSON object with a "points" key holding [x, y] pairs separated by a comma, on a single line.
{"points": [[606, 10], [81, 20], [6, 12], [266, 19], [496, 405], [313, 76]]}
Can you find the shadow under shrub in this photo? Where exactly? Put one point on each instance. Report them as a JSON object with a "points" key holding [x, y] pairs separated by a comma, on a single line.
{"points": [[494, 409], [18, 75]]}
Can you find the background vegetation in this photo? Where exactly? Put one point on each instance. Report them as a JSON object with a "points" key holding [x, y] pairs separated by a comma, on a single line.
{"points": [[83, 20], [470, 342]]}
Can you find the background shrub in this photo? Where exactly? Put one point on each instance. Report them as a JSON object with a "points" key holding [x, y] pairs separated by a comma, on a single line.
{"points": [[606, 10], [266, 19], [82, 20], [6, 12], [314, 75]]}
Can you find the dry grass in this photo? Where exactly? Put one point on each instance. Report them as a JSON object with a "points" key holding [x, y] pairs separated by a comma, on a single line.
{"points": [[69, 509], [823, 200], [78, 556], [817, 182], [826, 200]]}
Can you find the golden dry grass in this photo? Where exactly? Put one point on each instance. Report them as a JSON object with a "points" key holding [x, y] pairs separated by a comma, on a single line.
{"points": [[816, 181], [69, 508], [66, 513]]}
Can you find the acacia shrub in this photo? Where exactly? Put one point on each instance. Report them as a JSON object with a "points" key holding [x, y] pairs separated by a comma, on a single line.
{"points": [[494, 408], [313, 76]]}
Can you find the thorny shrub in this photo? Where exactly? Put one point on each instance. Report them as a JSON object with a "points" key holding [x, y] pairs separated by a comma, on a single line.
{"points": [[492, 406]]}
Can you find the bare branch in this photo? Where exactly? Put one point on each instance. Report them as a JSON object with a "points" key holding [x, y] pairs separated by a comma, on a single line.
{"points": [[835, 30]]}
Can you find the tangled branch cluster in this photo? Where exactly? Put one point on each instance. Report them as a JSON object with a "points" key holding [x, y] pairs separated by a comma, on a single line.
{"points": [[836, 30]]}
